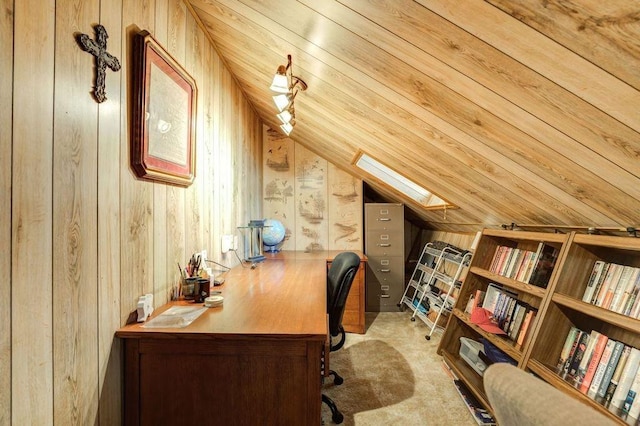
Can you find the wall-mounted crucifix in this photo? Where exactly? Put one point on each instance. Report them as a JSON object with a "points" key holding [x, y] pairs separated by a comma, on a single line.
{"points": [[104, 59]]}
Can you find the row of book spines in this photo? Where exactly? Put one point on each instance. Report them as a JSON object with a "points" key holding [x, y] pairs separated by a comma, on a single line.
{"points": [[522, 313], [514, 317], [513, 263], [604, 369], [614, 287], [480, 414]]}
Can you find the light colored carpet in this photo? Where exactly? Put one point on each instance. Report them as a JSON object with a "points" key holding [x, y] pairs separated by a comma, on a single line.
{"points": [[393, 375]]}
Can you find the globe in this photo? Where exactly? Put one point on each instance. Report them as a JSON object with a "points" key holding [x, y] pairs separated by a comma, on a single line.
{"points": [[272, 235]]}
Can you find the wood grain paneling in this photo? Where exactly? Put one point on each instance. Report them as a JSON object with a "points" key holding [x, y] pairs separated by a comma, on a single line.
{"points": [[92, 235], [443, 159], [160, 202], [31, 201], [500, 108], [609, 31], [136, 231], [75, 232], [6, 81], [110, 144]]}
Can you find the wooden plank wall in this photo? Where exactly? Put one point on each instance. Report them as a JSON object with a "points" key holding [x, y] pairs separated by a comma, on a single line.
{"points": [[80, 237], [6, 84]]}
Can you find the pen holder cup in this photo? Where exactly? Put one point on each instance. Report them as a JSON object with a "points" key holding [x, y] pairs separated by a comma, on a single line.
{"points": [[201, 290], [189, 287]]}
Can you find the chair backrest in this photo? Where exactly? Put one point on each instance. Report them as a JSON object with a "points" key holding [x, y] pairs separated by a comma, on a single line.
{"points": [[339, 279]]}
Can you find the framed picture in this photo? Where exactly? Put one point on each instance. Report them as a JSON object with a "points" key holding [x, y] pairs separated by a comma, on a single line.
{"points": [[164, 115]]}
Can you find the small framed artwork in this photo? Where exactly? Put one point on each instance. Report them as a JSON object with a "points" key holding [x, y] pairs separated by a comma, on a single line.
{"points": [[164, 115]]}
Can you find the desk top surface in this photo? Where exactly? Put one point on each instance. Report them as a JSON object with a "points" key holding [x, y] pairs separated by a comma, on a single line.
{"points": [[285, 296]]}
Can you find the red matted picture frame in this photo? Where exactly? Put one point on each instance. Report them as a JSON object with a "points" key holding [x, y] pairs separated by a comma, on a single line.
{"points": [[163, 115]]}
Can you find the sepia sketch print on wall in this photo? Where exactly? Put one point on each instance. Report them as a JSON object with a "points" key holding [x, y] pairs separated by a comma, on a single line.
{"points": [[277, 153], [311, 202], [278, 190], [345, 210], [319, 204]]}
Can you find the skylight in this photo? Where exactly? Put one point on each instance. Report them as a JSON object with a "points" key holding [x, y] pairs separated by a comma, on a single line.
{"points": [[399, 182]]}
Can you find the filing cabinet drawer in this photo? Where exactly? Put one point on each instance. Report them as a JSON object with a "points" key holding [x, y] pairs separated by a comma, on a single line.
{"points": [[385, 283], [384, 216], [383, 243]]}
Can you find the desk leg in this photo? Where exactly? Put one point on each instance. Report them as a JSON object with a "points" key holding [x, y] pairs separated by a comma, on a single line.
{"points": [[314, 380], [131, 405]]}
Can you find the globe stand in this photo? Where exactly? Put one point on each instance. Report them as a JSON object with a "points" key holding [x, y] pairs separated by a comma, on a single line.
{"points": [[272, 249], [253, 247]]}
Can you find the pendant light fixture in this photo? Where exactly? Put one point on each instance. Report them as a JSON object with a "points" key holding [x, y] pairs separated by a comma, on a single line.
{"points": [[287, 86]]}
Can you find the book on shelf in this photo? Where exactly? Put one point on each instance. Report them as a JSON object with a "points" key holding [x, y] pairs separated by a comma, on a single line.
{"points": [[506, 313], [606, 292], [479, 413], [525, 266], [631, 404], [600, 370], [545, 262], [612, 364], [628, 298], [564, 372], [514, 262], [621, 287], [527, 325], [615, 378], [594, 278], [600, 342], [614, 287], [577, 356], [518, 318], [634, 302], [613, 276], [598, 284], [504, 260], [586, 359], [626, 378], [493, 266], [566, 352], [491, 296]]}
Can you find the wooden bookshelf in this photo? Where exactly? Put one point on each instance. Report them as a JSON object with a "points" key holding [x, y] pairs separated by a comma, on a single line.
{"points": [[559, 305]]}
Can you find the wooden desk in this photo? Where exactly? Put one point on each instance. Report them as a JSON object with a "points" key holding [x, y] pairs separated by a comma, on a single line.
{"points": [[353, 318], [255, 360]]}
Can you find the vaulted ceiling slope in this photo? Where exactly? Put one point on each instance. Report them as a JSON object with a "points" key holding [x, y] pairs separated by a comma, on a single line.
{"points": [[515, 111]]}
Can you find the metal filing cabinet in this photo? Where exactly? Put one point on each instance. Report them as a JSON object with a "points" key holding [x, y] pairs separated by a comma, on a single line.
{"points": [[384, 247]]}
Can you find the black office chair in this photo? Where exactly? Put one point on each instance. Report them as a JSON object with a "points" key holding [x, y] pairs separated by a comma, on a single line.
{"points": [[339, 279]]}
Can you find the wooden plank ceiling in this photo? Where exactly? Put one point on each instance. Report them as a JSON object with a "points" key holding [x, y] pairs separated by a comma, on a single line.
{"points": [[515, 111]]}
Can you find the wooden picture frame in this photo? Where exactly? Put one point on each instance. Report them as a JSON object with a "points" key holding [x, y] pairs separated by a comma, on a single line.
{"points": [[163, 115]]}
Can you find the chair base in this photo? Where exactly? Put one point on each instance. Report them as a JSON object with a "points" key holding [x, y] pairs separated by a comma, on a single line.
{"points": [[337, 379], [336, 415]]}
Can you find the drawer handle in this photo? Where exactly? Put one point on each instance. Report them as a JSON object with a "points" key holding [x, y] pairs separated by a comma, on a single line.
{"points": [[385, 296], [384, 219], [384, 287], [384, 270], [384, 245]]}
